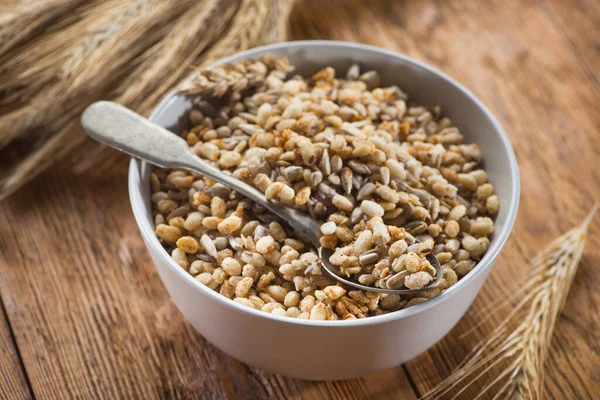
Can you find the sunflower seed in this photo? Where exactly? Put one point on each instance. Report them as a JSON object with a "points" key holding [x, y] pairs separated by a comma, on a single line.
{"points": [[315, 179], [236, 243], [353, 72], [366, 191], [292, 173], [384, 173], [351, 129], [209, 246], [356, 215], [336, 164], [334, 180], [179, 212], [219, 190], [359, 167], [416, 227], [325, 163], [371, 78], [368, 258], [346, 178], [327, 190], [250, 129], [397, 281]]}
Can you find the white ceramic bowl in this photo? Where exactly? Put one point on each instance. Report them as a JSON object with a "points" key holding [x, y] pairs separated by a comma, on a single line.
{"points": [[324, 350]]}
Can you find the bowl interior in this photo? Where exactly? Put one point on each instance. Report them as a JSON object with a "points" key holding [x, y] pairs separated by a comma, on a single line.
{"points": [[423, 84]]}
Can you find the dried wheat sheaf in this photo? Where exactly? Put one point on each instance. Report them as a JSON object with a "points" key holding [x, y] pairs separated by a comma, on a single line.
{"points": [[516, 354], [74, 52]]}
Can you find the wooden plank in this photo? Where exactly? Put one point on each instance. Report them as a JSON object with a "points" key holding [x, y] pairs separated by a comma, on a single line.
{"points": [[579, 22], [13, 383], [536, 72], [92, 319]]}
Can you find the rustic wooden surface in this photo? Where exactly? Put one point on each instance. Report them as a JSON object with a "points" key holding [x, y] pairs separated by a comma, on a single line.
{"points": [[84, 313]]}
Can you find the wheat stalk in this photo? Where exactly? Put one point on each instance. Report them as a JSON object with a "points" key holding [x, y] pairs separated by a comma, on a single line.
{"points": [[98, 71], [517, 356], [171, 59], [243, 33], [95, 74], [26, 17], [166, 64], [276, 28], [31, 67], [117, 17], [247, 28], [131, 51]]}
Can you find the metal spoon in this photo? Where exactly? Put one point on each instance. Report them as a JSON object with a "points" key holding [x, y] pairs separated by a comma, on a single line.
{"points": [[123, 129]]}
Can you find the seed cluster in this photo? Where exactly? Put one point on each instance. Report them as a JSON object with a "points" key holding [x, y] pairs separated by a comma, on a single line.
{"points": [[390, 181]]}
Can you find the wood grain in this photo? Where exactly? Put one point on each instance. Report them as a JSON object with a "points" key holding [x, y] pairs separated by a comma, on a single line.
{"points": [[91, 319], [13, 384]]}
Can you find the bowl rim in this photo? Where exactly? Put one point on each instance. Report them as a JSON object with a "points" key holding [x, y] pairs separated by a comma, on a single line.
{"points": [[147, 231]]}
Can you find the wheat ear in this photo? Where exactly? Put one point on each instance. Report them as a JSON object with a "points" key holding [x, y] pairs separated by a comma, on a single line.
{"points": [[517, 355]]}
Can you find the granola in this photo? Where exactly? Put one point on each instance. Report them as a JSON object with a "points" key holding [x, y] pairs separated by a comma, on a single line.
{"points": [[390, 181]]}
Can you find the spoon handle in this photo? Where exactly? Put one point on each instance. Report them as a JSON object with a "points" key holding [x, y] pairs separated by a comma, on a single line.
{"points": [[119, 127]]}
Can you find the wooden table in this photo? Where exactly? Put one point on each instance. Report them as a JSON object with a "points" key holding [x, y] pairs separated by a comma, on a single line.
{"points": [[84, 313]]}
